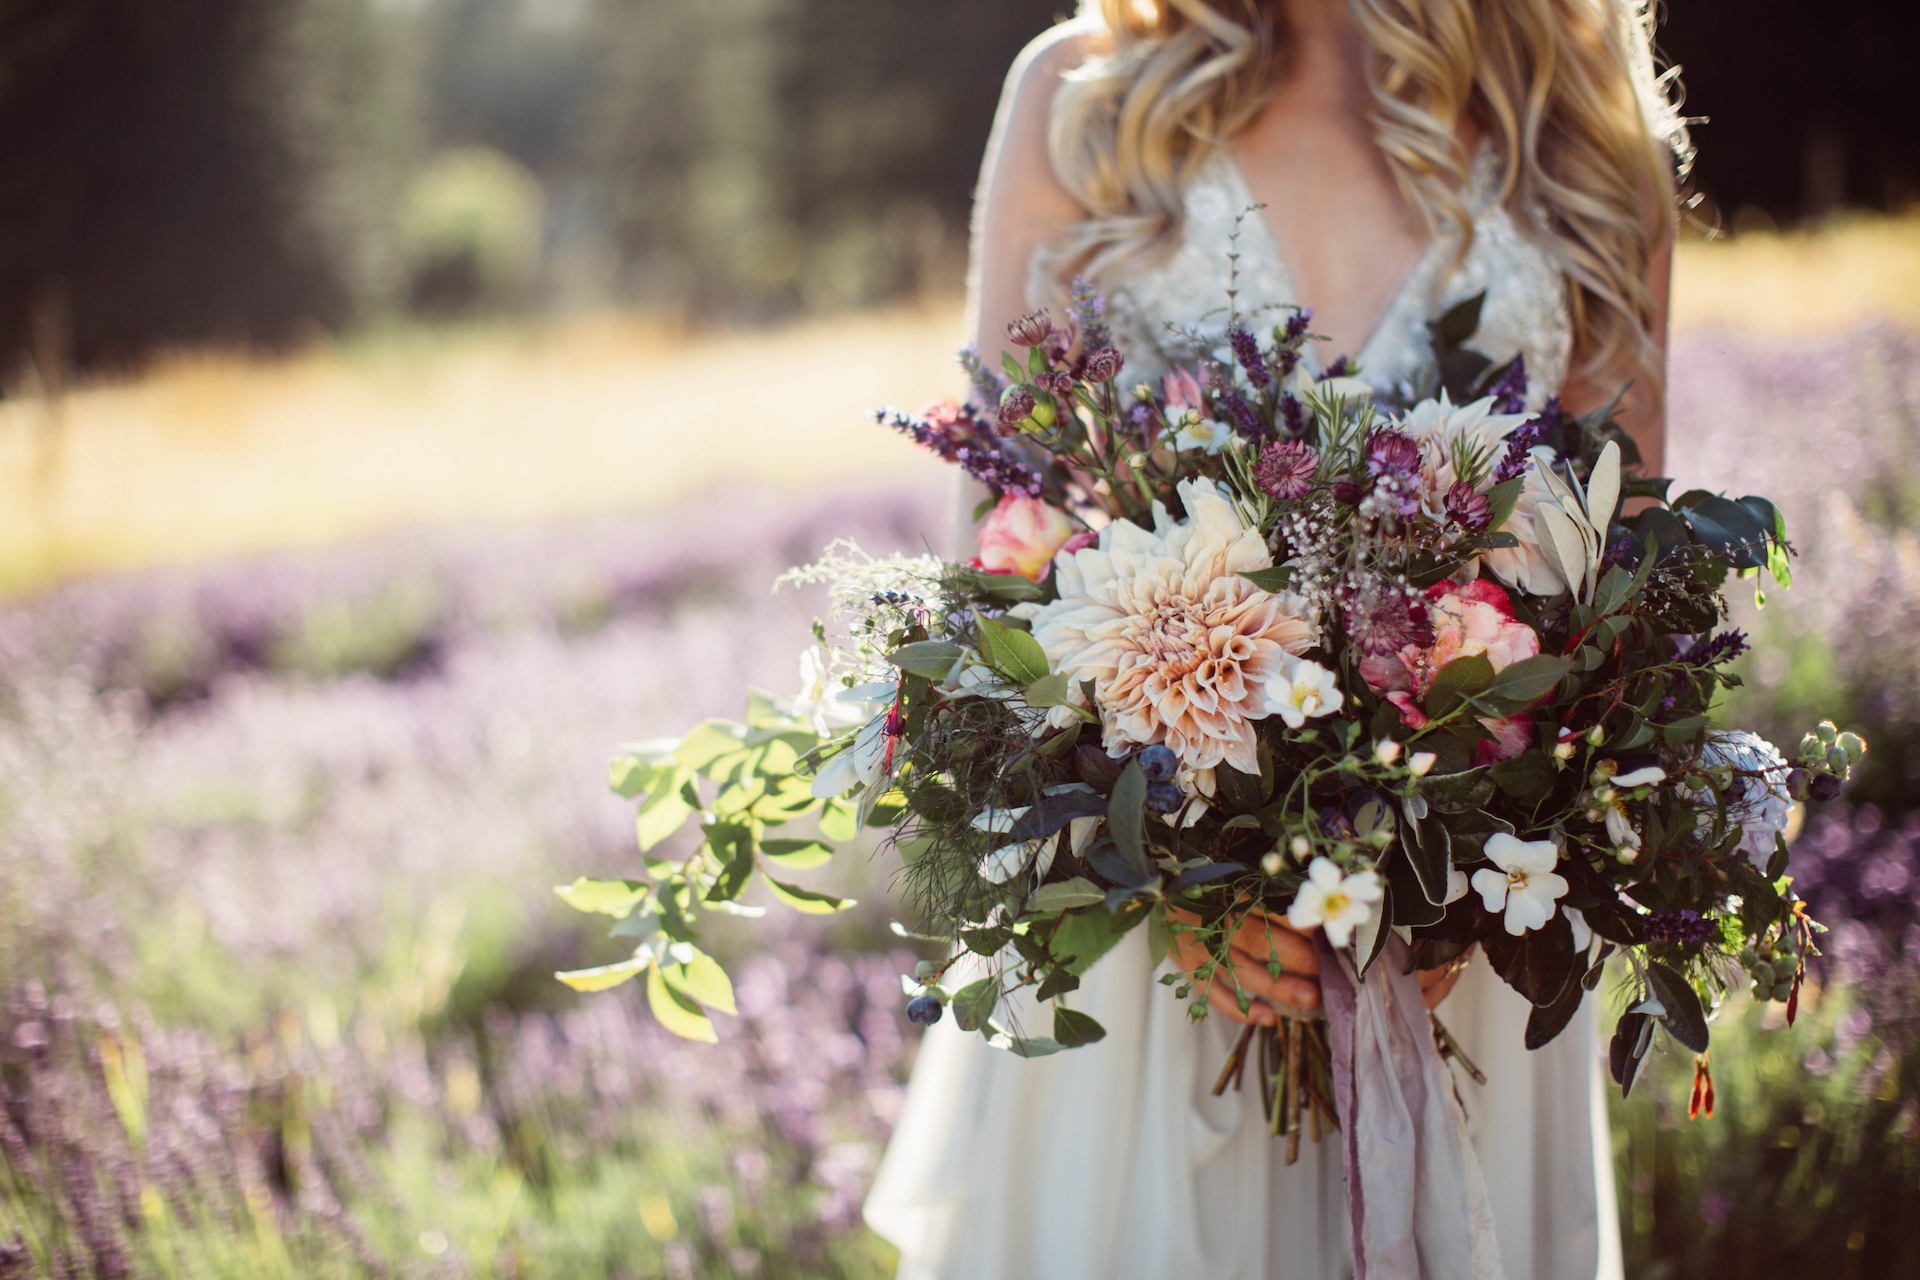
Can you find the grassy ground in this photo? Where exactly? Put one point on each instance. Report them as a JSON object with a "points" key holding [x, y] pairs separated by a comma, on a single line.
{"points": [[209, 454]]}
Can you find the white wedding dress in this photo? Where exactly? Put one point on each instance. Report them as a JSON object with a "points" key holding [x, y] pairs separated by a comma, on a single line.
{"points": [[1114, 1162]]}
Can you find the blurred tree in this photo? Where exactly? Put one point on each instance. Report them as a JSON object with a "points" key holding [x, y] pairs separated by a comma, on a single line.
{"points": [[194, 170], [1807, 107], [760, 155]]}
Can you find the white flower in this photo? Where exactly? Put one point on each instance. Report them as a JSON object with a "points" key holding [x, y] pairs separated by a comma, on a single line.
{"points": [[1582, 931], [1448, 434], [1456, 886], [864, 762], [1308, 690], [818, 703], [1420, 762], [1757, 802], [1339, 904], [1651, 775], [1562, 531], [1620, 828], [1206, 434], [1525, 886]]}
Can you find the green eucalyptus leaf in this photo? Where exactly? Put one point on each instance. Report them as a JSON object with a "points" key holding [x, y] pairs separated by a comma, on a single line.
{"points": [[974, 1003], [1457, 681], [930, 659], [1014, 654], [603, 897], [1073, 1028], [1065, 896], [1126, 809]]}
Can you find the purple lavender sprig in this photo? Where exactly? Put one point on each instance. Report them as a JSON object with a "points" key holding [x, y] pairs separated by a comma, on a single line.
{"points": [[1088, 311], [1246, 351], [1717, 650], [968, 444], [1509, 390], [1291, 335], [1680, 926], [1528, 434], [987, 384]]}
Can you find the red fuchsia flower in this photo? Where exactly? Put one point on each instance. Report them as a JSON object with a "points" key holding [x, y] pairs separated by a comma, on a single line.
{"points": [[1021, 536], [1475, 618], [1285, 470]]}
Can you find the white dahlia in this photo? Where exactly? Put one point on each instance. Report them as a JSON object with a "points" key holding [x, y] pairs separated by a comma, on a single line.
{"points": [[1181, 649]]}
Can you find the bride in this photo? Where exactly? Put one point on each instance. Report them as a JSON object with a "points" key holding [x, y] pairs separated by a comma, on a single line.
{"points": [[1378, 160]]}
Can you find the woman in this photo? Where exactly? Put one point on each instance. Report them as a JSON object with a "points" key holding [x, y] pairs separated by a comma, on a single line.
{"points": [[1379, 161]]}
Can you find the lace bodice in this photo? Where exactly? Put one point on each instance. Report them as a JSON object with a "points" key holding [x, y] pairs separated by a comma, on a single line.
{"points": [[1525, 310]]}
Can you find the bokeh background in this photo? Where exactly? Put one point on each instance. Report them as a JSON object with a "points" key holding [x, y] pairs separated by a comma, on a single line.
{"points": [[404, 401]]}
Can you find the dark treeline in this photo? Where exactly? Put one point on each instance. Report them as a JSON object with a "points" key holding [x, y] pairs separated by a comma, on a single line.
{"points": [[182, 171]]}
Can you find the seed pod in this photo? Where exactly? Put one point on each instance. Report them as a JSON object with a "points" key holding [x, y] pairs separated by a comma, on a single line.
{"points": [[1784, 967], [1852, 744], [1826, 731], [1781, 990], [1837, 760]]}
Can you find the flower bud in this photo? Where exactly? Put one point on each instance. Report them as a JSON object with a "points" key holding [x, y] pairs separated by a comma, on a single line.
{"points": [[1626, 855], [1852, 744], [1596, 736], [1386, 751], [1103, 364], [1826, 731], [1300, 847], [1031, 329], [1563, 750], [1421, 762], [1016, 405], [1837, 760], [1603, 769], [1273, 864]]}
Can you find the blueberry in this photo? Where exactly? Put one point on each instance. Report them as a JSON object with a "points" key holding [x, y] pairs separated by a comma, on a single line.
{"points": [[1164, 797], [924, 1010], [1823, 787], [1158, 763]]}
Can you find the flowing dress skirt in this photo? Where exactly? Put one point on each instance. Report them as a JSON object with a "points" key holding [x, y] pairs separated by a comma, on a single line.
{"points": [[1115, 1162]]}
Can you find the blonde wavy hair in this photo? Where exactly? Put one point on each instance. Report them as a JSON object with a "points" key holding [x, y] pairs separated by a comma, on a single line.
{"points": [[1565, 90]]}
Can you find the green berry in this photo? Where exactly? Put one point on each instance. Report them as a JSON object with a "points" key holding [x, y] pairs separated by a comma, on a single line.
{"points": [[1826, 731], [1781, 990], [1851, 744], [1784, 968]]}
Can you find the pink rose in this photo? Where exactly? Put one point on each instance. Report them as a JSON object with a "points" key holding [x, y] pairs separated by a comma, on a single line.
{"points": [[1021, 535], [1476, 618]]}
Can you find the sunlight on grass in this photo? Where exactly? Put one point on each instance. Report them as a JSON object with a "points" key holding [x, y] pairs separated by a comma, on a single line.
{"points": [[212, 454]]}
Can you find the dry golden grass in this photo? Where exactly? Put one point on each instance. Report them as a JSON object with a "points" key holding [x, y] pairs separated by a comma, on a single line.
{"points": [[215, 454]]}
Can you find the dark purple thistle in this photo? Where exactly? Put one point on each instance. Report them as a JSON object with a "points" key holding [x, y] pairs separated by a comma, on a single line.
{"points": [[1509, 390], [1391, 452], [1286, 468], [1246, 352]]}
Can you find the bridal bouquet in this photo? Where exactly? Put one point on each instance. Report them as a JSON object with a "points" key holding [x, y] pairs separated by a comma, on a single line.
{"points": [[1426, 672]]}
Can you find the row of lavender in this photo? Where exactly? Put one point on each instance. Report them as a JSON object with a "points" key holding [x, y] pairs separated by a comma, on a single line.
{"points": [[276, 943]]}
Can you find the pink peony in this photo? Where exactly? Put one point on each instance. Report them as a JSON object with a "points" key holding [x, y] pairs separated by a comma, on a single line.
{"points": [[1021, 535], [1470, 619]]}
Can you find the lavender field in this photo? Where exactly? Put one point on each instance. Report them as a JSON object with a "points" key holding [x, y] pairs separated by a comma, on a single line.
{"points": [[276, 931]]}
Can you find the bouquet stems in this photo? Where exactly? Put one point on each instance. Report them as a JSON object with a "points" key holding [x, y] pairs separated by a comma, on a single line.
{"points": [[1296, 1074]]}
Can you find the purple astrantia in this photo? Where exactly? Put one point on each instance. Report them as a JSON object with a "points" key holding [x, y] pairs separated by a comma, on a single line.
{"points": [[1381, 617], [1468, 507], [1391, 452], [1286, 468], [1509, 390], [1246, 352]]}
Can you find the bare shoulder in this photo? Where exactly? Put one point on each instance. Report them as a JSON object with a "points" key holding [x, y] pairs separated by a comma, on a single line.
{"points": [[1036, 74]]}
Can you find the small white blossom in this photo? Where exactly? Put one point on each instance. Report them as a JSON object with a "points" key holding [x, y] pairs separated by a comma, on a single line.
{"points": [[1525, 886], [1208, 435], [1386, 751], [1421, 762], [1308, 690], [1339, 904]]}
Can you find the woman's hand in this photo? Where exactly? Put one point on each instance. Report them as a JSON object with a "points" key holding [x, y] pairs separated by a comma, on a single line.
{"points": [[1261, 936]]}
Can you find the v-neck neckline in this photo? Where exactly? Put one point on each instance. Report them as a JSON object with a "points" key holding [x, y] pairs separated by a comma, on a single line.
{"points": [[1417, 268]]}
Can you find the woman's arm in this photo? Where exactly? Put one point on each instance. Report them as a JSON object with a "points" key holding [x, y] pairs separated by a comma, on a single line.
{"points": [[1019, 204], [1643, 411]]}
